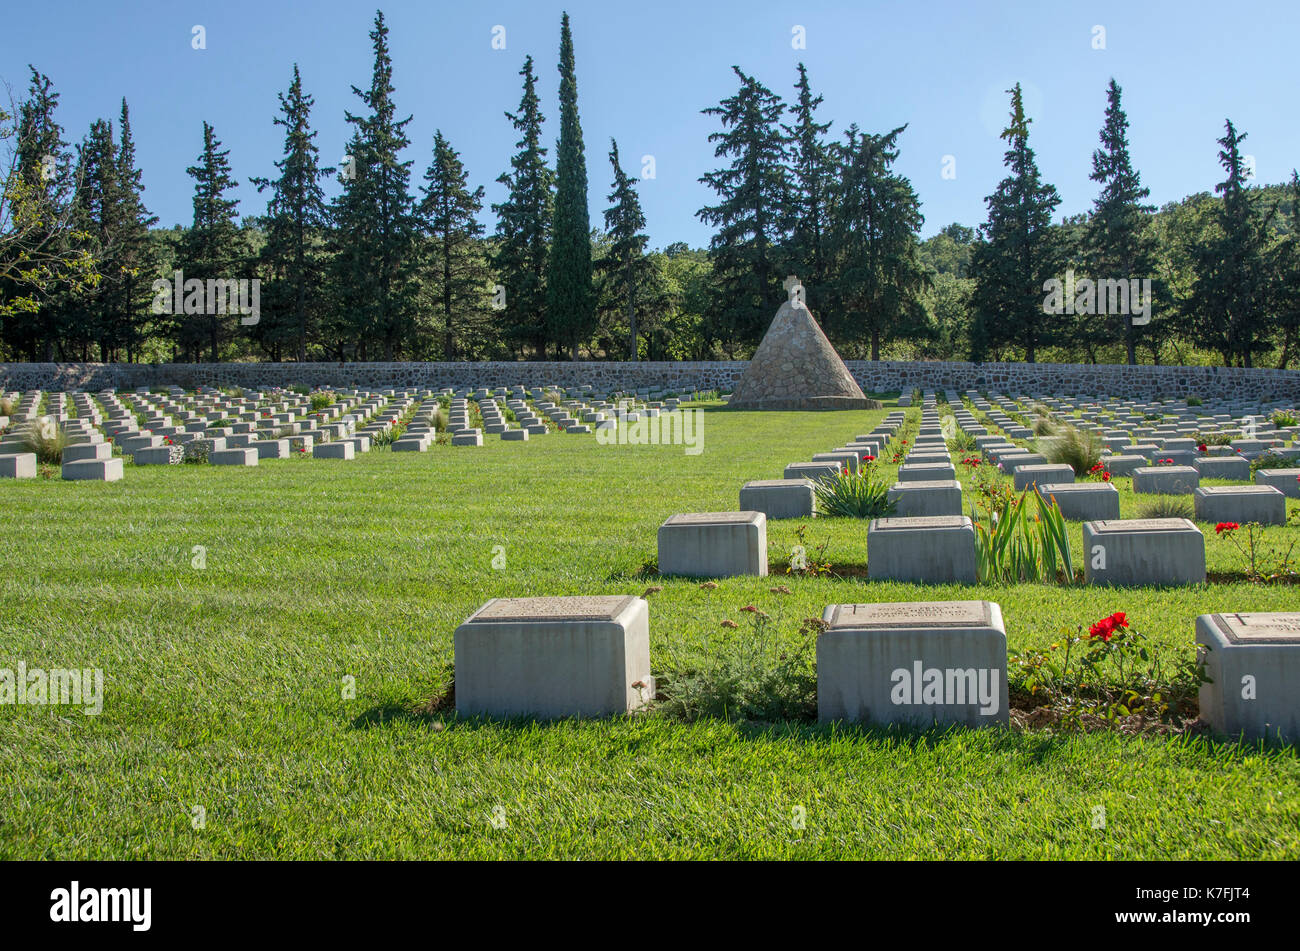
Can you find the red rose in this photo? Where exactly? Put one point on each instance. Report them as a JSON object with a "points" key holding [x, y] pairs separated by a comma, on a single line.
{"points": [[1225, 527]]}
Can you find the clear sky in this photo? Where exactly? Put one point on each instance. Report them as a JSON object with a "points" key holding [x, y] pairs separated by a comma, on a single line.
{"points": [[645, 70]]}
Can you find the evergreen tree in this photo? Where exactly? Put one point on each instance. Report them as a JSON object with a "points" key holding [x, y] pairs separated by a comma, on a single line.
{"points": [[570, 301], [1284, 270], [524, 225], [459, 276], [1018, 252], [375, 260], [629, 273], [1116, 242], [1229, 299], [878, 278], [91, 316], [296, 223], [212, 250], [135, 259], [43, 259], [812, 176], [752, 215]]}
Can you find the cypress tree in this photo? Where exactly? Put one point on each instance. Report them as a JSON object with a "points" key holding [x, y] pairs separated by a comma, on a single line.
{"points": [[523, 232], [1116, 238], [878, 279], [1229, 299], [1018, 252], [570, 301], [811, 176], [213, 248], [752, 215], [449, 215], [375, 229], [627, 269], [296, 223], [135, 258]]}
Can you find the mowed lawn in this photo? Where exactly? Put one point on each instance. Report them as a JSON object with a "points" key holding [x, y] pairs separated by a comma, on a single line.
{"points": [[225, 685]]}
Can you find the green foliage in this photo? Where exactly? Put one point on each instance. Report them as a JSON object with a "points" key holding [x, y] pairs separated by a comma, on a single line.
{"points": [[1272, 460], [524, 220], [1195, 401], [1284, 418], [321, 399], [1108, 673], [757, 675], [752, 215], [1077, 449], [858, 494], [47, 440], [1167, 506], [570, 298], [1012, 545], [1020, 251]]}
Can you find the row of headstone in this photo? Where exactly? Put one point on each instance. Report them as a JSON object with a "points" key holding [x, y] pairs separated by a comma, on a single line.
{"points": [[914, 664]]}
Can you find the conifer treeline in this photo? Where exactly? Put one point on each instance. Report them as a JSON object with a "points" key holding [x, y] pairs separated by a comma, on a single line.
{"points": [[393, 269]]}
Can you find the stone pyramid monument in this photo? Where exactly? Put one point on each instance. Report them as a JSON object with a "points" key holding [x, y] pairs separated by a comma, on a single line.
{"points": [[795, 366]]}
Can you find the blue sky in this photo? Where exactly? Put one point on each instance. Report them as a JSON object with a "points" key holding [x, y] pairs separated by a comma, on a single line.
{"points": [[645, 70]]}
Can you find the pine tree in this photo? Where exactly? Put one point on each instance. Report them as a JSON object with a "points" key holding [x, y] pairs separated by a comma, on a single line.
{"points": [[523, 232], [135, 259], [375, 259], [1117, 244], [43, 259], [296, 222], [628, 272], [811, 177], [570, 300], [213, 248], [752, 215], [1018, 252], [459, 276], [97, 213], [1284, 270], [1229, 298], [878, 278]]}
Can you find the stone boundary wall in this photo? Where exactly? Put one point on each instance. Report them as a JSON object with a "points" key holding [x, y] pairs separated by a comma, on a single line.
{"points": [[1069, 379]]}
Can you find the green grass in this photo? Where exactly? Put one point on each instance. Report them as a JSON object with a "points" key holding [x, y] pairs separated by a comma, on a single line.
{"points": [[223, 686]]}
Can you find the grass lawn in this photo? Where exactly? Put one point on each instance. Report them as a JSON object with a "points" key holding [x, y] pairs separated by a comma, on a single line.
{"points": [[224, 686]]}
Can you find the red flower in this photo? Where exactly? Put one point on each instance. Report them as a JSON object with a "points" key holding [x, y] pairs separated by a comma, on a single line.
{"points": [[1106, 627], [868, 458], [1225, 527], [1105, 477], [1201, 447]]}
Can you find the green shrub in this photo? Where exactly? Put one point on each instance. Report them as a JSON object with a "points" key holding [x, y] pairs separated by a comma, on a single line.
{"points": [[7, 406], [1013, 545], [1045, 427], [1214, 439], [758, 676], [321, 400], [1283, 418], [961, 441], [1271, 460], [1195, 401], [1076, 449], [1167, 506], [47, 440], [854, 495]]}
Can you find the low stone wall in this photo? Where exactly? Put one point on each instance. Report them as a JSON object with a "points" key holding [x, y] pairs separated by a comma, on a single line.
{"points": [[1074, 379]]}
